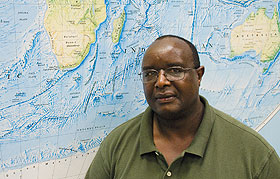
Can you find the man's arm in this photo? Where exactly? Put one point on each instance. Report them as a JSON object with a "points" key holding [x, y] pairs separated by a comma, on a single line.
{"points": [[271, 169]]}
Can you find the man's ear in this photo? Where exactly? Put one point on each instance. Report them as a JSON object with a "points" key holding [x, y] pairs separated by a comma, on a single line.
{"points": [[200, 73]]}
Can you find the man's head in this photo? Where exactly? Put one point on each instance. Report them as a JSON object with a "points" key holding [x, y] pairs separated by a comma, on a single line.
{"points": [[196, 61], [172, 76]]}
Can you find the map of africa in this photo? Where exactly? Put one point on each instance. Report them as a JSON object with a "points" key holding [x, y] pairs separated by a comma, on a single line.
{"points": [[69, 72]]}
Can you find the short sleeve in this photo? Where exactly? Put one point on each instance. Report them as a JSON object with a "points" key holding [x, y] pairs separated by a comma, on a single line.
{"points": [[99, 168], [271, 169]]}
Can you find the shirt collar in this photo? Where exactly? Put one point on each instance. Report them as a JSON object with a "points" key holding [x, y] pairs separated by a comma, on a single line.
{"points": [[146, 132], [199, 143]]}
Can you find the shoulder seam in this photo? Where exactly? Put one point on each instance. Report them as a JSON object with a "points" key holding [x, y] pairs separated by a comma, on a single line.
{"points": [[250, 133], [264, 164]]}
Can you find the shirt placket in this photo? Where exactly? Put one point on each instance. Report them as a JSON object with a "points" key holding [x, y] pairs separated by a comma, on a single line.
{"points": [[167, 172]]}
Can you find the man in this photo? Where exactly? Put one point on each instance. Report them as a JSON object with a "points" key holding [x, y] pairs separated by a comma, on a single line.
{"points": [[180, 135]]}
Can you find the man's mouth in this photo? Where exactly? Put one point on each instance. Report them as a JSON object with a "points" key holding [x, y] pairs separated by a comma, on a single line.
{"points": [[165, 98]]}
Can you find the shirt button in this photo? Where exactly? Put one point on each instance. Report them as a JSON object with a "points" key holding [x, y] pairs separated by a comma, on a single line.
{"points": [[169, 173]]}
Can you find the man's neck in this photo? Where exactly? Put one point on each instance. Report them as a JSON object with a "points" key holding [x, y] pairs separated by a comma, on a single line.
{"points": [[173, 136], [182, 127]]}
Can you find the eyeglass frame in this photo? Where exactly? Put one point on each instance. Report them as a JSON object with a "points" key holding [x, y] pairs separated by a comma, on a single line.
{"points": [[185, 70]]}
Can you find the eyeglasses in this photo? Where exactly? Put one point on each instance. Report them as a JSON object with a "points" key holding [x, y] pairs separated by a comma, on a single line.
{"points": [[171, 74]]}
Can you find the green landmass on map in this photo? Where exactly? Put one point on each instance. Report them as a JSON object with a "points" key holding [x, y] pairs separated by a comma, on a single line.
{"points": [[117, 27], [259, 33], [71, 27]]}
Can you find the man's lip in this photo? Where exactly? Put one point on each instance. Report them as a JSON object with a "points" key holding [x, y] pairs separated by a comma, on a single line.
{"points": [[164, 95], [164, 99]]}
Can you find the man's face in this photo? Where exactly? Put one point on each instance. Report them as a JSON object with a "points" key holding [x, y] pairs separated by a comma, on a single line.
{"points": [[171, 99]]}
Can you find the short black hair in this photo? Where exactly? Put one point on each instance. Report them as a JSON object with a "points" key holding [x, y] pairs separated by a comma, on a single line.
{"points": [[196, 60]]}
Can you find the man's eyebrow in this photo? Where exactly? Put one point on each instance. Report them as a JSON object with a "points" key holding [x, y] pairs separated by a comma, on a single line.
{"points": [[147, 67], [174, 64]]}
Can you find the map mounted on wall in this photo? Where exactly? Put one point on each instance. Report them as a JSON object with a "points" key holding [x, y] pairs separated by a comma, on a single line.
{"points": [[69, 72]]}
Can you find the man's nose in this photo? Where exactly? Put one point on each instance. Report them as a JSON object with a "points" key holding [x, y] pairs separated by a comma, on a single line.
{"points": [[162, 81]]}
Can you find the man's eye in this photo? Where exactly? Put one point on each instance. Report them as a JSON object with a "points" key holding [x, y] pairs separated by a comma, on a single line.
{"points": [[175, 70], [149, 73]]}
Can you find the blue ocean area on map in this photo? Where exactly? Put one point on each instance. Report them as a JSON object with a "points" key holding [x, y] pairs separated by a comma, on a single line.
{"points": [[271, 131], [50, 112]]}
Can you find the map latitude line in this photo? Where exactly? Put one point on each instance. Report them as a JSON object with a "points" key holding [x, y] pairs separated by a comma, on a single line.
{"points": [[270, 116]]}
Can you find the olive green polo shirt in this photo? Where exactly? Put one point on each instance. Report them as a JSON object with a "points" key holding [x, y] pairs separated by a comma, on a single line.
{"points": [[223, 148]]}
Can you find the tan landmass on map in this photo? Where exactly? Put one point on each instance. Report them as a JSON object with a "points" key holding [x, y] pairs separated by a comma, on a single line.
{"points": [[71, 27], [117, 27], [259, 33]]}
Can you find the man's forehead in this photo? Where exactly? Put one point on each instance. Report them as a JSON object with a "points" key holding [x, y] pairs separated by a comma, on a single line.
{"points": [[169, 51], [158, 47], [161, 46]]}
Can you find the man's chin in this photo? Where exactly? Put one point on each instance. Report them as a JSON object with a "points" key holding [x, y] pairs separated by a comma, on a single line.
{"points": [[167, 112]]}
